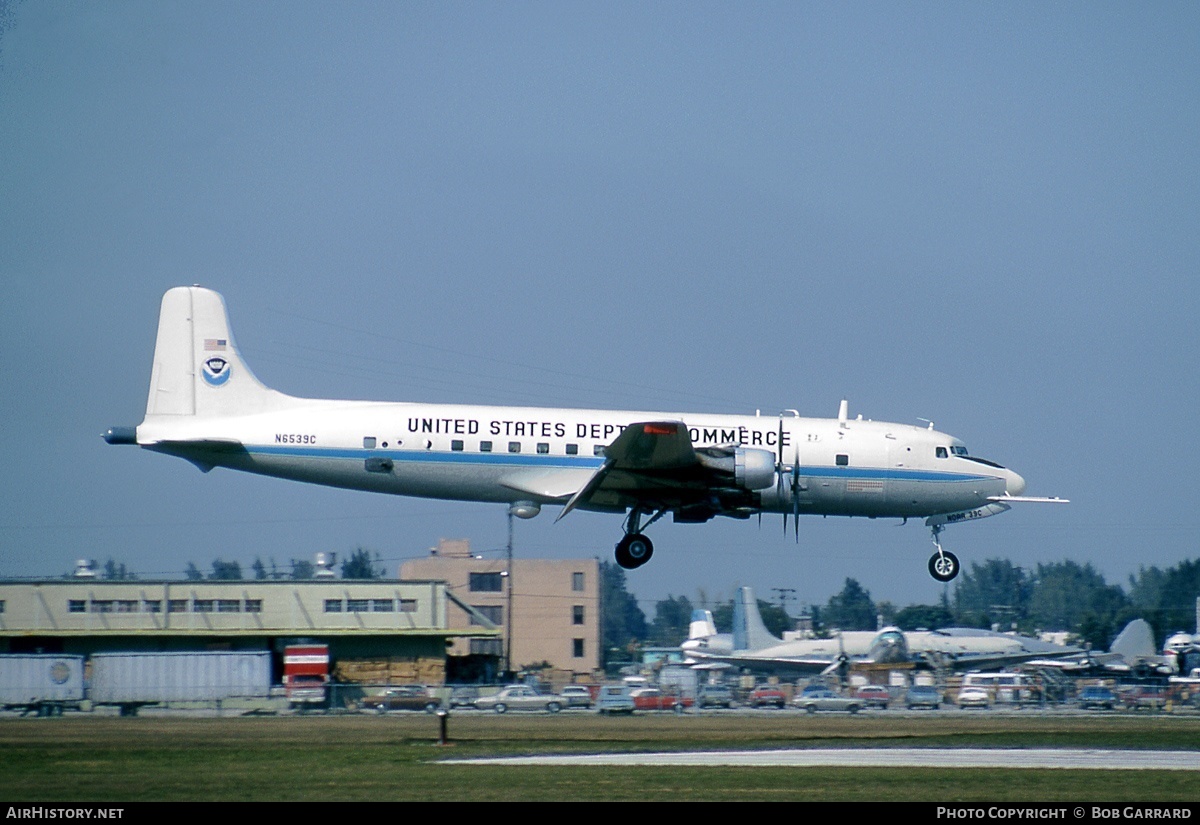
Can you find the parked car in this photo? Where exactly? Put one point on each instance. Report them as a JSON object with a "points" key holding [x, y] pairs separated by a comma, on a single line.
{"points": [[464, 697], [1144, 697], [716, 696], [1097, 696], [577, 696], [974, 697], [405, 697], [815, 700], [767, 696], [521, 697], [923, 696], [874, 696], [654, 699], [615, 699]]}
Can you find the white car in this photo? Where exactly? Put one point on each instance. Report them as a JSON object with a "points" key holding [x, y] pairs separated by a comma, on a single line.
{"points": [[974, 697], [577, 696], [521, 697]]}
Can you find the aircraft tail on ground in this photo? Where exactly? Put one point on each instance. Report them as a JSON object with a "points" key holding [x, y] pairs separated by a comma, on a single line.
{"points": [[702, 625], [749, 632], [197, 369], [1135, 642]]}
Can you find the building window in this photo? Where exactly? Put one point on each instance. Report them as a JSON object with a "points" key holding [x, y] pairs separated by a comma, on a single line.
{"points": [[203, 605], [408, 605], [333, 605], [127, 606], [254, 605], [77, 606], [577, 614], [383, 606], [577, 582], [492, 612], [152, 606], [177, 606], [485, 647], [485, 446], [358, 605], [577, 648], [229, 605], [102, 607], [485, 583]]}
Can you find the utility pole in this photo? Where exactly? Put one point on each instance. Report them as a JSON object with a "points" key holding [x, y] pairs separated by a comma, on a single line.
{"points": [[508, 611]]}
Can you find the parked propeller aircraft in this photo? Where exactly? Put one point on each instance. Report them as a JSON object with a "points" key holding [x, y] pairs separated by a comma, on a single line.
{"points": [[753, 647], [207, 407], [1132, 652]]}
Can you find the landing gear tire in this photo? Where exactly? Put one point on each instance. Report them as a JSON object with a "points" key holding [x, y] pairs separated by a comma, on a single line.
{"points": [[634, 550], [943, 566]]}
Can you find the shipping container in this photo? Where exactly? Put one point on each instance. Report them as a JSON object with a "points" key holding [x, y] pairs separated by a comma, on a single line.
{"points": [[130, 679], [46, 683]]}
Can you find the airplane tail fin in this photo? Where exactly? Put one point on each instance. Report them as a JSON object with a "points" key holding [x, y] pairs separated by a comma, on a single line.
{"points": [[197, 368], [702, 626], [749, 632], [1135, 642]]}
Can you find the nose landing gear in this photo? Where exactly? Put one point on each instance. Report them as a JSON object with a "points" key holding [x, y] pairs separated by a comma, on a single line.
{"points": [[943, 565]]}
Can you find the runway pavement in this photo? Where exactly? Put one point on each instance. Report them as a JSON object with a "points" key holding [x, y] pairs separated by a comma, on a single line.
{"points": [[1067, 758]]}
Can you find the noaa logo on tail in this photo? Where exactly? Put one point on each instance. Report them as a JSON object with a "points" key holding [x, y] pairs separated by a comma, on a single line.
{"points": [[216, 371]]}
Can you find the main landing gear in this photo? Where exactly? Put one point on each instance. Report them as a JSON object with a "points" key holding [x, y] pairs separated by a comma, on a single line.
{"points": [[943, 565], [635, 549]]}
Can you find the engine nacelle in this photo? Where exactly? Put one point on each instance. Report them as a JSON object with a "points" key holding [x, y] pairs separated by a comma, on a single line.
{"points": [[754, 469]]}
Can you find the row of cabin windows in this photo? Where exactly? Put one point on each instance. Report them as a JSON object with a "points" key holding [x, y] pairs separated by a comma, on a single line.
{"points": [[458, 445]]}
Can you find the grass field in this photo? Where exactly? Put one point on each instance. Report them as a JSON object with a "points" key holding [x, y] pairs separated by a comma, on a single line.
{"points": [[358, 758]]}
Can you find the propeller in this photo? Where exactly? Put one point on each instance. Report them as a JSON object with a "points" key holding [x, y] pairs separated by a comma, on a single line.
{"points": [[780, 469]]}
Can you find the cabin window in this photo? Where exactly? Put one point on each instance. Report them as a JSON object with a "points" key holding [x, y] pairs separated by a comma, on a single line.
{"points": [[941, 452], [485, 446], [369, 442], [514, 446], [842, 460], [572, 449], [456, 445], [598, 449], [543, 448]]}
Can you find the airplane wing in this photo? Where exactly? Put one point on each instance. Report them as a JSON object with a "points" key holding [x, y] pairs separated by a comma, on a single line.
{"points": [[654, 465]]}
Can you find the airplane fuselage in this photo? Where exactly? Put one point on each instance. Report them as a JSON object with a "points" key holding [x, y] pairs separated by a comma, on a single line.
{"points": [[495, 454]]}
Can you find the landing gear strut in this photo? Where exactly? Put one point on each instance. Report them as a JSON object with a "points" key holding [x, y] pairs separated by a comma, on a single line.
{"points": [[943, 565], [635, 549]]}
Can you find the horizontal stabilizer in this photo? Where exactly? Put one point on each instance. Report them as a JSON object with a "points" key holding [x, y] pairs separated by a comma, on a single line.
{"points": [[1030, 499]]}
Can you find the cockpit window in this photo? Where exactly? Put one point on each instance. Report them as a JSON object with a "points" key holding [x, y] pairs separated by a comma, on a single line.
{"points": [[941, 452], [959, 450]]}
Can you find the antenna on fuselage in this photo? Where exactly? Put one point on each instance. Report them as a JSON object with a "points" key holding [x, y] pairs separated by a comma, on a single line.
{"points": [[927, 421]]}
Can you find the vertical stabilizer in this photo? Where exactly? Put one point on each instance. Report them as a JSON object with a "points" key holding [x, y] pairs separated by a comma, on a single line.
{"points": [[749, 632], [1135, 643], [702, 625], [197, 369]]}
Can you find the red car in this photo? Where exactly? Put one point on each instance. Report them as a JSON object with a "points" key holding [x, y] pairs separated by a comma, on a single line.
{"points": [[873, 696], [655, 699], [767, 696]]}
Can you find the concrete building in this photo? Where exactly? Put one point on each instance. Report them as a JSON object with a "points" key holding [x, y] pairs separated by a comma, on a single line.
{"points": [[407, 625], [547, 610]]}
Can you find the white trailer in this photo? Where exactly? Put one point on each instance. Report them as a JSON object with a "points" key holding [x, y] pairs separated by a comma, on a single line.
{"points": [[41, 682], [130, 680]]}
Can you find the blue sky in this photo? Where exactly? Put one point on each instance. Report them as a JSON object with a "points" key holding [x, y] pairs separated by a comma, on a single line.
{"points": [[981, 214]]}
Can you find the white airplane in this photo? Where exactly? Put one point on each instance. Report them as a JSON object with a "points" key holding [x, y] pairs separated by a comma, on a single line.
{"points": [[752, 646], [207, 407], [1131, 653]]}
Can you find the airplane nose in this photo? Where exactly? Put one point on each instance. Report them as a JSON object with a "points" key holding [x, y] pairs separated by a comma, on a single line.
{"points": [[1015, 485]]}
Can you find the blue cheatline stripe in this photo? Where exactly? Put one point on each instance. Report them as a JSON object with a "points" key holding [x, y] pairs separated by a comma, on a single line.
{"points": [[592, 462]]}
